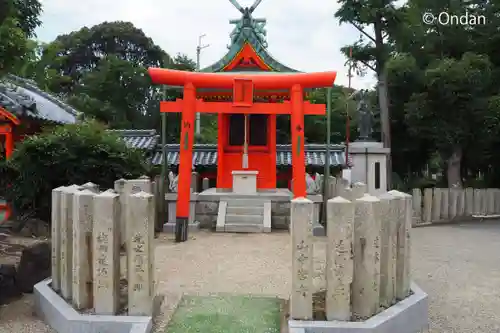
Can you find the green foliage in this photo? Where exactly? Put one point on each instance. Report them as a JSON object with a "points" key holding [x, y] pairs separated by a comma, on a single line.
{"points": [[18, 21], [71, 154]]}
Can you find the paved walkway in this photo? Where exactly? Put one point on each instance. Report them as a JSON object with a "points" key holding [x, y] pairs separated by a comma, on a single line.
{"points": [[458, 265]]}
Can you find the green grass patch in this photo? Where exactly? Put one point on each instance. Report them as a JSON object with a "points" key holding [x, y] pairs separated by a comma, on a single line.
{"points": [[226, 314]]}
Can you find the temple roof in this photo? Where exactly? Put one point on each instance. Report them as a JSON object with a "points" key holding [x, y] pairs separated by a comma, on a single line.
{"points": [[248, 49], [23, 98], [206, 154]]}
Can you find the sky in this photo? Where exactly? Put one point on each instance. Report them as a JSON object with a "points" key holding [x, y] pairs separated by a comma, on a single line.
{"points": [[303, 35]]}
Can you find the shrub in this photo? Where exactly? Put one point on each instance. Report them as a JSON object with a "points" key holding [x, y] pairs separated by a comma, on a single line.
{"points": [[70, 154]]}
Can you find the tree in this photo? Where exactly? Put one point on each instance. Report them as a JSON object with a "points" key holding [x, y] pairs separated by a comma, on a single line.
{"points": [[71, 154], [18, 21], [102, 71], [371, 51], [454, 110]]}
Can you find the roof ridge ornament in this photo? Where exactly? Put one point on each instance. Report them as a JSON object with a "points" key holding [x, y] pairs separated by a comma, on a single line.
{"points": [[247, 21]]}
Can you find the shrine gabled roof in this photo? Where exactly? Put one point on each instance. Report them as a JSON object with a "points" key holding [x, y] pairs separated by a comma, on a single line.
{"points": [[241, 49], [23, 98]]}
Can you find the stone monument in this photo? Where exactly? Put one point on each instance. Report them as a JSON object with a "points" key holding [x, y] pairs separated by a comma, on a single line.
{"points": [[369, 157]]}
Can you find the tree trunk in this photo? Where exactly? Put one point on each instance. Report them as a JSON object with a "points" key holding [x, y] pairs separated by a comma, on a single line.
{"points": [[453, 168]]}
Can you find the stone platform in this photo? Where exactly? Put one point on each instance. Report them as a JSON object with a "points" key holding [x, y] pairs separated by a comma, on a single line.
{"points": [[407, 316], [62, 317], [206, 206]]}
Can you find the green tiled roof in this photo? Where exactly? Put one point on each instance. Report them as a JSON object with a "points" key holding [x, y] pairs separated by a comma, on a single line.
{"points": [[247, 33]]}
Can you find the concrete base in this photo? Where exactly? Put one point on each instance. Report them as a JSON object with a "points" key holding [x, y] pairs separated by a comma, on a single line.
{"points": [[63, 318], [408, 316], [169, 227]]}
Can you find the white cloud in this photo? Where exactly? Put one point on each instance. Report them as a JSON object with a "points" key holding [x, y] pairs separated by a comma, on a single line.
{"points": [[301, 34]]}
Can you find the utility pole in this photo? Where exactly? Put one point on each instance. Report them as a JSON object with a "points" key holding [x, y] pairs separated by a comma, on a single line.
{"points": [[198, 53]]}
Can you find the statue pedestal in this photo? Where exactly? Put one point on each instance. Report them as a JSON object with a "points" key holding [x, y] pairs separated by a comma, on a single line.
{"points": [[369, 159], [245, 181]]}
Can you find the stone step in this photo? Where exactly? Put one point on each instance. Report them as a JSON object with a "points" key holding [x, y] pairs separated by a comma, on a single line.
{"points": [[244, 203], [247, 228], [247, 210], [244, 219]]}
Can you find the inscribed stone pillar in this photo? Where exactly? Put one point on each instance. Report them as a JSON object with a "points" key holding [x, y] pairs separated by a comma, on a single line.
{"points": [[56, 237], [403, 278], [469, 201], [82, 253], [132, 186], [436, 205], [106, 252], [453, 203], [67, 240], [140, 253], [206, 184], [339, 263], [119, 188], [332, 182], [445, 204], [358, 190], [460, 202], [477, 202], [490, 199], [302, 258], [390, 214], [427, 214], [417, 206], [366, 277], [340, 186]]}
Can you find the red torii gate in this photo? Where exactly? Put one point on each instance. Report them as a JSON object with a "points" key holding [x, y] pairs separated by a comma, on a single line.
{"points": [[243, 86]]}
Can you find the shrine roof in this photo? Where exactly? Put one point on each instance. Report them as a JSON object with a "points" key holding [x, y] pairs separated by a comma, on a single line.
{"points": [[206, 154], [23, 98], [138, 139], [248, 48]]}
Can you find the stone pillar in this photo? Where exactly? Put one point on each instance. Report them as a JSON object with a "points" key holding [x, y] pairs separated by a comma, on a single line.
{"points": [[140, 254], [390, 214], [477, 202], [460, 202], [302, 259], [339, 263], [436, 205], [453, 203], [490, 199], [67, 240], [427, 215], [403, 278], [417, 206], [484, 202], [206, 184], [366, 278], [106, 253], [497, 201], [340, 187], [358, 190], [119, 188], [194, 182], [469, 201], [445, 204], [91, 187], [132, 186], [56, 237], [82, 253]]}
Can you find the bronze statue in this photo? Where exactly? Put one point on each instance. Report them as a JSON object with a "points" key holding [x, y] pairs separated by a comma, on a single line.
{"points": [[365, 120]]}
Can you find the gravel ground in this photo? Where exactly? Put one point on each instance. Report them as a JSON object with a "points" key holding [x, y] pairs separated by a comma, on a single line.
{"points": [[457, 265]]}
